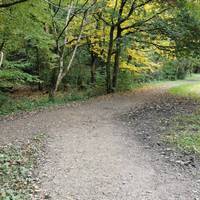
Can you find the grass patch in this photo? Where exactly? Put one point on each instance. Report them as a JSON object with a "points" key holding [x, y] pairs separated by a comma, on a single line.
{"points": [[190, 90], [185, 129], [16, 170], [9, 105], [186, 142], [185, 132]]}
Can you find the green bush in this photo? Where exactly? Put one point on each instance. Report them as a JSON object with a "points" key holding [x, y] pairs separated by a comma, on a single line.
{"points": [[9, 105], [3, 99], [178, 69], [75, 96], [125, 80]]}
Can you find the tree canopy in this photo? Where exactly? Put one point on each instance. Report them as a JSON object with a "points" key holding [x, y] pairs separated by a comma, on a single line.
{"points": [[53, 43]]}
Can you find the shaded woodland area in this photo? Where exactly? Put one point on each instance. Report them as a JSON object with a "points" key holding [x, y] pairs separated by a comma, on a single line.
{"points": [[95, 46]]}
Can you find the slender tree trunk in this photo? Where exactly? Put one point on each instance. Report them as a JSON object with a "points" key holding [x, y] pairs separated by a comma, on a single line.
{"points": [[61, 69], [1, 53], [38, 64], [57, 78], [1, 58], [52, 85], [108, 63], [117, 59], [93, 68]]}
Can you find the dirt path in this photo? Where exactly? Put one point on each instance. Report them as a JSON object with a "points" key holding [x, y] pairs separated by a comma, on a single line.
{"points": [[92, 155]]}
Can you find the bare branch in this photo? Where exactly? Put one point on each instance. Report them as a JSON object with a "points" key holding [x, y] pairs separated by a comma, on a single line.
{"points": [[158, 46], [143, 4], [59, 4], [6, 5], [129, 13], [78, 11], [140, 23], [103, 19]]}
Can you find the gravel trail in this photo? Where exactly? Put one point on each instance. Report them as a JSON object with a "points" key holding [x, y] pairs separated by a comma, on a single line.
{"points": [[93, 155]]}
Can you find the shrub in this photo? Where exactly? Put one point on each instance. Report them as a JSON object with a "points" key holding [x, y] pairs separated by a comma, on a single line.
{"points": [[178, 69], [3, 99], [125, 80]]}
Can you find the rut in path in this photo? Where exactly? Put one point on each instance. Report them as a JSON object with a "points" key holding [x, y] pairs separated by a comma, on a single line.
{"points": [[92, 155]]}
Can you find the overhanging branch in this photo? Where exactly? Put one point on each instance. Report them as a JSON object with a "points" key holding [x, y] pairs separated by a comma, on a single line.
{"points": [[6, 5]]}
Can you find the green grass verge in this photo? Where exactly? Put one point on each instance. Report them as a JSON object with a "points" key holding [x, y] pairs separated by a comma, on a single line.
{"points": [[16, 170], [190, 90], [185, 132], [185, 129], [9, 105]]}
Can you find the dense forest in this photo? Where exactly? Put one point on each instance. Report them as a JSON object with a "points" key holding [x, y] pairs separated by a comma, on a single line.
{"points": [[98, 46]]}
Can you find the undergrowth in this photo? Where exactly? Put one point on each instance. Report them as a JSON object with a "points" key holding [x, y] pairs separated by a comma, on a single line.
{"points": [[9, 105], [17, 181]]}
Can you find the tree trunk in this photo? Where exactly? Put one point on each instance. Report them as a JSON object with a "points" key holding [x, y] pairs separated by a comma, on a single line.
{"points": [[38, 64], [52, 85], [1, 53], [57, 78], [117, 59], [108, 63], [1, 58], [93, 69], [60, 73]]}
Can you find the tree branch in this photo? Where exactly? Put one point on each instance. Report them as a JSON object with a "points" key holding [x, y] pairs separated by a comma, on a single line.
{"points": [[6, 5], [129, 13], [158, 46], [75, 14], [144, 21]]}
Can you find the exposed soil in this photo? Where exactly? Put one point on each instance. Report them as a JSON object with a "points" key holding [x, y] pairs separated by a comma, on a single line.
{"points": [[152, 123], [92, 154]]}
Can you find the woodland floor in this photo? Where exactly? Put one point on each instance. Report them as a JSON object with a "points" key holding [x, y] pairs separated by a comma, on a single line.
{"points": [[109, 148]]}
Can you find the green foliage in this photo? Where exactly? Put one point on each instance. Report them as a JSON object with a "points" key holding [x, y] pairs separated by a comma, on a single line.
{"points": [[171, 71], [16, 167], [33, 40], [126, 81], [25, 43], [19, 64], [13, 77], [25, 104], [178, 69], [75, 95], [3, 99], [188, 28], [9, 105], [183, 28]]}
